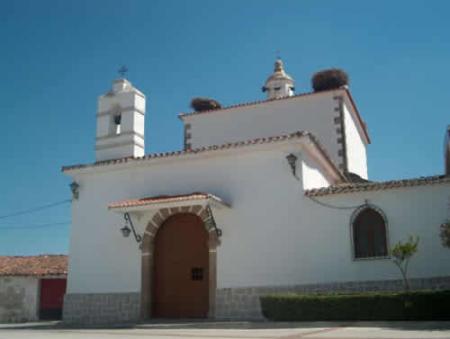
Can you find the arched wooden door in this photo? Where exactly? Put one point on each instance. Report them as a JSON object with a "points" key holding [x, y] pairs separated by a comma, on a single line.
{"points": [[180, 279]]}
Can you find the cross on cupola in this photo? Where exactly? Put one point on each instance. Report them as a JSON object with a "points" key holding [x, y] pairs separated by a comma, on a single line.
{"points": [[279, 84]]}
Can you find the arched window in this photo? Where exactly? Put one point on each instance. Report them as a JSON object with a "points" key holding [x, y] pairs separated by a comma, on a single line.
{"points": [[369, 234]]}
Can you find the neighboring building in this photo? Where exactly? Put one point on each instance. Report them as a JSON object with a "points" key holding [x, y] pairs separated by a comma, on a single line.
{"points": [[32, 287], [267, 196]]}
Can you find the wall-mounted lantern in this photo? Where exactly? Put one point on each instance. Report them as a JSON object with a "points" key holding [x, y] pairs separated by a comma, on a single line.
{"points": [[292, 161], [74, 188], [126, 230]]}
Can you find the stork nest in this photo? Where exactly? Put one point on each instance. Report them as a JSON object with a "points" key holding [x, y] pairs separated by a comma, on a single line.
{"points": [[204, 104], [329, 79]]}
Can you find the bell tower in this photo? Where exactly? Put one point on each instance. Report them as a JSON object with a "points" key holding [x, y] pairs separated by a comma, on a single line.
{"points": [[279, 84], [120, 122]]}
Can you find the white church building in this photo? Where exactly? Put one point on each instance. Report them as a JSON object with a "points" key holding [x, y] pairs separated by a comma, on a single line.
{"points": [[267, 196]]}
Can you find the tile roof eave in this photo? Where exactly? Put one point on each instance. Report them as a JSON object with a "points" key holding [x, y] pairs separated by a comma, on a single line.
{"points": [[149, 201], [35, 275], [377, 186], [206, 150]]}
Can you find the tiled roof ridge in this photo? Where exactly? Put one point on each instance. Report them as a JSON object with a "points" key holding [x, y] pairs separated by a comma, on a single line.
{"points": [[230, 145], [375, 186]]}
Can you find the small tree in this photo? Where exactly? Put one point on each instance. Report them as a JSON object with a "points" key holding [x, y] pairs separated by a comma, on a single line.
{"points": [[445, 234], [401, 254]]}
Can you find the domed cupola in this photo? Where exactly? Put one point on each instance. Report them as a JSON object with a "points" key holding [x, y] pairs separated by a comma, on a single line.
{"points": [[279, 84]]}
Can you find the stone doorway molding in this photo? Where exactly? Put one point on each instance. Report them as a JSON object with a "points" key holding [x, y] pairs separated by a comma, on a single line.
{"points": [[147, 261], [199, 204]]}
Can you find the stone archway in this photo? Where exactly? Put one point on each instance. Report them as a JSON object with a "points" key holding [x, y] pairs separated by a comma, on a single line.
{"points": [[148, 245]]}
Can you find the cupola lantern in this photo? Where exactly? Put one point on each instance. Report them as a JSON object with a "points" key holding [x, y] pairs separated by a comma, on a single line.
{"points": [[279, 84]]}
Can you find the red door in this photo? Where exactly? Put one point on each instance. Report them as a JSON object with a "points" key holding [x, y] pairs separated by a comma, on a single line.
{"points": [[180, 279], [52, 297]]}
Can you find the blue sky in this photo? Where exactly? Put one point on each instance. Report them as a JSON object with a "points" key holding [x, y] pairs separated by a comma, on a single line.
{"points": [[56, 57]]}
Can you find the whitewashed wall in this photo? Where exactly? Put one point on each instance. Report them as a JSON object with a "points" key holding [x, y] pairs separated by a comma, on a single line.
{"points": [[313, 113], [312, 175], [19, 299], [101, 260], [273, 234], [415, 210], [356, 148], [292, 240]]}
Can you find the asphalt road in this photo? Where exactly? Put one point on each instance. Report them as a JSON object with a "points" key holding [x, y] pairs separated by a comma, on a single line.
{"points": [[233, 330]]}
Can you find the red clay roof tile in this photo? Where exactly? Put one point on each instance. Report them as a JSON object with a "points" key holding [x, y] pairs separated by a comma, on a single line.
{"points": [[257, 141], [39, 265], [377, 186], [162, 199]]}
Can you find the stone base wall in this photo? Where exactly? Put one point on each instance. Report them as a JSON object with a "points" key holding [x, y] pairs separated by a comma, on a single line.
{"points": [[243, 303], [101, 308], [19, 299], [231, 303]]}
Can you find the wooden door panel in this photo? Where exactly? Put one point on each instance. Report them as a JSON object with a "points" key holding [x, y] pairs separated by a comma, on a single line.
{"points": [[181, 245]]}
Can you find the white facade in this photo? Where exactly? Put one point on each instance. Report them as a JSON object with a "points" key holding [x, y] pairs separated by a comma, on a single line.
{"points": [[222, 175], [274, 232], [356, 154], [318, 113]]}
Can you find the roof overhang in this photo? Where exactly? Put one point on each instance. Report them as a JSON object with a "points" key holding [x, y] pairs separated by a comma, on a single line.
{"points": [[167, 201], [377, 186], [303, 140]]}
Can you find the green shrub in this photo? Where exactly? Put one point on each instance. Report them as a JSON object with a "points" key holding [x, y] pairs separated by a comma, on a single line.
{"points": [[420, 305]]}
